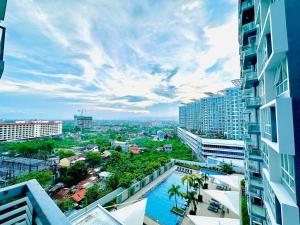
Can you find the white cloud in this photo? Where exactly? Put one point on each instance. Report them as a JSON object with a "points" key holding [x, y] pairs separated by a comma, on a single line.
{"points": [[113, 50]]}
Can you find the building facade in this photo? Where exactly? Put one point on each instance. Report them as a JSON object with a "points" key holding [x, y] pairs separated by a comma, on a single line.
{"points": [[83, 122], [2, 35], [22, 130], [216, 115], [269, 51], [218, 148]]}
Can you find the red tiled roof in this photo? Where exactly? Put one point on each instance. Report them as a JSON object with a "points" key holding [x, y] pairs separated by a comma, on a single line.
{"points": [[61, 193], [135, 151], [87, 180], [78, 195]]}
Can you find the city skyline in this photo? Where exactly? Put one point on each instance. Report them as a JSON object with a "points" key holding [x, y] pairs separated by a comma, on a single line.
{"points": [[116, 60]]}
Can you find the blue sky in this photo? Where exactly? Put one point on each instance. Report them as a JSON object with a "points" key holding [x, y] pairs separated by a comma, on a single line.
{"points": [[116, 59]]}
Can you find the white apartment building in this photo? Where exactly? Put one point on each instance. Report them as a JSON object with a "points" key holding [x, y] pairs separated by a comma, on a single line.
{"points": [[206, 147], [270, 57], [22, 130]]}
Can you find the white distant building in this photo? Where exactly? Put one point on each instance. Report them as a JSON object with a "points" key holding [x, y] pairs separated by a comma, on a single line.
{"points": [[83, 122], [123, 144], [22, 130], [160, 135], [217, 148]]}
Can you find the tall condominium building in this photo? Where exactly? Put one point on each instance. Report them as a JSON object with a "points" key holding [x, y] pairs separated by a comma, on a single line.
{"points": [[22, 130], [234, 115], [269, 33], [2, 34], [83, 122], [218, 114]]}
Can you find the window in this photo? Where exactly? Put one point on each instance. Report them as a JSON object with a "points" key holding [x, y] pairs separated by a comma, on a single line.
{"points": [[288, 170], [281, 82]]}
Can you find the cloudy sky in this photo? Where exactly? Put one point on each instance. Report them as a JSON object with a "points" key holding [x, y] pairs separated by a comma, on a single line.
{"points": [[115, 59]]}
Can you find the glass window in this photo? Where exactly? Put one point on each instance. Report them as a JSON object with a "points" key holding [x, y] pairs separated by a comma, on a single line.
{"points": [[281, 81], [288, 170]]}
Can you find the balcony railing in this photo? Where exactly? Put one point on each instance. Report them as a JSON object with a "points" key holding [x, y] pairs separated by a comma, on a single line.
{"points": [[247, 4], [256, 182], [249, 78], [253, 128], [254, 102], [248, 27], [257, 210], [254, 154]]}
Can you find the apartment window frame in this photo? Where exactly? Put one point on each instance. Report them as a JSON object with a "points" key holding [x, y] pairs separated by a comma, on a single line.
{"points": [[288, 170], [281, 78]]}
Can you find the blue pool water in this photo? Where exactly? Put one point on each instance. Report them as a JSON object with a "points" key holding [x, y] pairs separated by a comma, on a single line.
{"points": [[211, 172], [158, 202]]}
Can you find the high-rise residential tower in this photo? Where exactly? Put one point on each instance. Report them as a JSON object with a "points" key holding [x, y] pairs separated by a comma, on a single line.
{"points": [[2, 34], [269, 33], [218, 114]]}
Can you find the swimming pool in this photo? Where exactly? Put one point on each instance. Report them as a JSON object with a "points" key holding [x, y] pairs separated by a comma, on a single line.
{"points": [[211, 172], [158, 202]]}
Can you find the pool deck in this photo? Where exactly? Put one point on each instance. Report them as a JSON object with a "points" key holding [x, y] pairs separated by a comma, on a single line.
{"points": [[203, 211], [149, 187]]}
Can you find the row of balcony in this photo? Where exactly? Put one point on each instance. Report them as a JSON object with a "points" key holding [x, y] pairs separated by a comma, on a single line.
{"points": [[253, 153]]}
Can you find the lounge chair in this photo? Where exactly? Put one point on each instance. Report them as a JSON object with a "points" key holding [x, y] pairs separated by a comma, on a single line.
{"points": [[213, 209]]}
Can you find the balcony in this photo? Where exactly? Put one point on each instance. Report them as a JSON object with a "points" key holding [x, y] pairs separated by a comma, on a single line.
{"points": [[248, 27], [249, 78], [28, 203], [258, 211], [254, 154], [247, 4], [255, 182], [253, 128], [253, 103]]}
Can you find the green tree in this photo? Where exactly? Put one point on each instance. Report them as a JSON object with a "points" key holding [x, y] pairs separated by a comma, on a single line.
{"points": [[78, 172], [174, 191], [198, 183], [65, 153], [226, 168], [44, 178], [190, 195], [188, 180], [118, 148], [93, 158], [66, 204], [92, 195]]}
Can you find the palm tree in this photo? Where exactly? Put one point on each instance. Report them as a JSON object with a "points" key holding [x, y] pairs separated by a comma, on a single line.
{"points": [[174, 191], [199, 180], [205, 177], [189, 181], [191, 197]]}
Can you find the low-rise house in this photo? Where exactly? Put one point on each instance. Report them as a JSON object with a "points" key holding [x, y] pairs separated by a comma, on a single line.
{"points": [[87, 183], [106, 154], [160, 149], [92, 148], [168, 147], [123, 144], [135, 151], [56, 187], [66, 162], [78, 195], [103, 176], [62, 193]]}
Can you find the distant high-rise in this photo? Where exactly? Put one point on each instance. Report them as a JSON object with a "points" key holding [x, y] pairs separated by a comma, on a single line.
{"points": [[218, 114], [2, 34], [269, 32], [83, 122]]}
